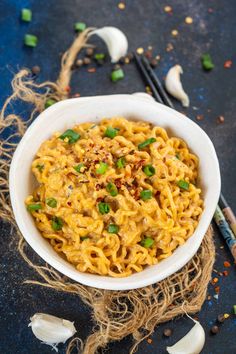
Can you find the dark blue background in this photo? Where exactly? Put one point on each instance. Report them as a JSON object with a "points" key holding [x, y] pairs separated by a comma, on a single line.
{"points": [[213, 94]]}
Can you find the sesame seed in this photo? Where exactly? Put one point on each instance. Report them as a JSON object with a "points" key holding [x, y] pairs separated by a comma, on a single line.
{"points": [[140, 50], [121, 6], [188, 20], [167, 8], [174, 33]]}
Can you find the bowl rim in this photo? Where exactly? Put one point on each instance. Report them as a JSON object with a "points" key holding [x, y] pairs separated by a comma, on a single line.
{"points": [[104, 282]]}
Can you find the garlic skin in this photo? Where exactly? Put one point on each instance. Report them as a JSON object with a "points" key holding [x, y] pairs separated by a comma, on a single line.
{"points": [[115, 39], [174, 85], [191, 343], [50, 329]]}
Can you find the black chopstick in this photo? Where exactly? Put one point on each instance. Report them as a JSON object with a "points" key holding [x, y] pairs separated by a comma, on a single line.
{"points": [[148, 80], [157, 82], [225, 218]]}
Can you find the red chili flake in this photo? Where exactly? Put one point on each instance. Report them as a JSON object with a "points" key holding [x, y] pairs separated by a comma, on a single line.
{"points": [[139, 164], [225, 273], [227, 264], [69, 203], [98, 186], [200, 117], [118, 182], [217, 289], [91, 70], [215, 280], [149, 340], [76, 95], [220, 120], [228, 64], [99, 199], [67, 88]]}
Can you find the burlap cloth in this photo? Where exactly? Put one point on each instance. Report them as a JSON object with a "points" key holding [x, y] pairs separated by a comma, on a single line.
{"points": [[116, 314]]}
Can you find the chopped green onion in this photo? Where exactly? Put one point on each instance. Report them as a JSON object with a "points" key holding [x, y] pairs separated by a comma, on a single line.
{"points": [[30, 40], [99, 56], [146, 143], [111, 188], [102, 168], [40, 167], [49, 102], [103, 208], [79, 26], [93, 126], [34, 207], [183, 184], [82, 238], [51, 202], [146, 194], [177, 156], [71, 135], [26, 15], [234, 309], [149, 170], [120, 162], [111, 132], [147, 242], [117, 75], [57, 223], [113, 229], [207, 63], [78, 167]]}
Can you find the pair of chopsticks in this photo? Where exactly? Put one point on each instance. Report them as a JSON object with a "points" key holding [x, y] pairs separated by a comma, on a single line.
{"points": [[223, 216]]}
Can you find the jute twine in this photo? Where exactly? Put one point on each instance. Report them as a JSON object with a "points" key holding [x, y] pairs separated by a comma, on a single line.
{"points": [[116, 314]]}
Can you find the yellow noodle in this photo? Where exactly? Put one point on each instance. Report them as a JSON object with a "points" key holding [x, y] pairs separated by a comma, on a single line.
{"points": [[169, 218]]}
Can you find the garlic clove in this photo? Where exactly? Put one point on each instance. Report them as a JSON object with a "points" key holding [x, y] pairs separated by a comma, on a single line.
{"points": [[51, 329], [174, 85], [115, 39], [191, 343]]}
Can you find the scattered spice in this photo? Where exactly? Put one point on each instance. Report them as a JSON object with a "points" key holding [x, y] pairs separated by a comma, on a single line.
{"points": [[215, 280], [126, 60], [153, 63], [227, 264], [214, 329], [188, 20], [89, 52], [225, 273], [36, 70], [228, 64], [121, 6], [200, 117], [217, 289], [168, 8], [226, 315], [68, 88], [220, 120], [209, 297], [86, 61], [140, 50], [91, 70], [149, 340], [221, 318], [168, 332], [174, 32], [79, 62], [169, 47]]}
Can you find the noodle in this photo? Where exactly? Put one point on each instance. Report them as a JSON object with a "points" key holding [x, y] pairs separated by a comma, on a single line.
{"points": [[115, 197]]}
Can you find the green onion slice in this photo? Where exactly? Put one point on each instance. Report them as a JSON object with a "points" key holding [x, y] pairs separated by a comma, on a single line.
{"points": [[51, 202], [183, 184], [207, 63], [26, 15], [102, 168], [99, 56], [71, 135], [49, 102], [111, 188], [149, 170], [113, 229], [146, 143], [57, 223], [120, 162], [30, 40], [34, 207], [40, 168], [117, 75], [78, 167], [79, 26], [111, 132], [82, 238], [147, 242], [103, 208], [146, 194]]}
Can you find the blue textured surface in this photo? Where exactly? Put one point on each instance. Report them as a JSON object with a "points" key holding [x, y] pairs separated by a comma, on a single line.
{"points": [[213, 94]]}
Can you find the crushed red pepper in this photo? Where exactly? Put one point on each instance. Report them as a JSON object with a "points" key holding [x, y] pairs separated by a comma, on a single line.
{"points": [[228, 64], [227, 264]]}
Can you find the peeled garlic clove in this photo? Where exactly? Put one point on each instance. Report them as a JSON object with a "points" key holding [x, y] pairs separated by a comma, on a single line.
{"points": [[115, 39], [191, 343], [51, 329], [174, 85]]}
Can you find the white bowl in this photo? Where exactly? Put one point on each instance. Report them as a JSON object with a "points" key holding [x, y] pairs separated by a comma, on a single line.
{"points": [[66, 114]]}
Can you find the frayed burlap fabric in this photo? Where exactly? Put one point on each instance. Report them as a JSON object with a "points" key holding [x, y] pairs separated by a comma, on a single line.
{"points": [[116, 314]]}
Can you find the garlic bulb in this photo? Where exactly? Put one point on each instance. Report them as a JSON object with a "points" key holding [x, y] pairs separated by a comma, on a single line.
{"points": [[174, 85], [51, 329], [191, 343], [115, 39]]}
